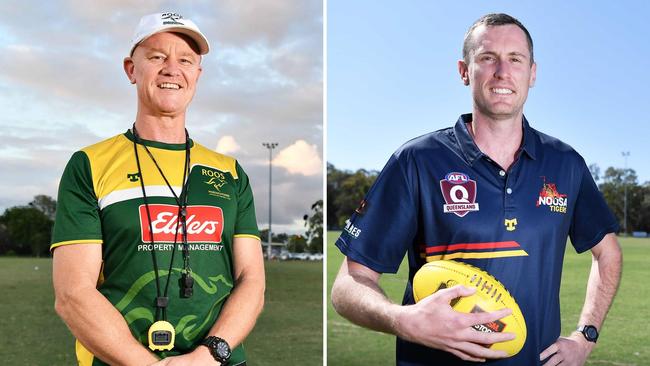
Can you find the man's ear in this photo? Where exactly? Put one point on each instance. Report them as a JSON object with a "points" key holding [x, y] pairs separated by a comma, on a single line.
{"points": [[129, 69], [533, 75], [464, 71]]}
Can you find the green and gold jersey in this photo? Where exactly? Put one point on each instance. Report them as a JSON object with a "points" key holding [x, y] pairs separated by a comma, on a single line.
{"points": [[100, 201]]}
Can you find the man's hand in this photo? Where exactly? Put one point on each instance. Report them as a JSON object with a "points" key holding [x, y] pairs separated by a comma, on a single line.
{"points": [[568, 351], [199, 357], [433, 323]]}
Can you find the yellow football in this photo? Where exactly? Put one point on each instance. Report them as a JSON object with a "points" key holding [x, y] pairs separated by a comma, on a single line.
{"points": [[490, 296]]}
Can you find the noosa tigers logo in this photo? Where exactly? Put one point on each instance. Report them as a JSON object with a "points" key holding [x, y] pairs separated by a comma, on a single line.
{"points": [[459, 193], [550, 196]]}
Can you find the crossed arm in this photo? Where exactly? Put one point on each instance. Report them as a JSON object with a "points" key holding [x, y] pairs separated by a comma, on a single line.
{"points": [[100, 327]]}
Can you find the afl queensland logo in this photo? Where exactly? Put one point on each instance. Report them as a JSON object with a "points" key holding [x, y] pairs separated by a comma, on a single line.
{"points": [[459, 193]]}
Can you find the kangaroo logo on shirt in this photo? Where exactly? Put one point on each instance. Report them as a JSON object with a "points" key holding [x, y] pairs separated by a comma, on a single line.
{"points": [[459, 193], [216, 180]]}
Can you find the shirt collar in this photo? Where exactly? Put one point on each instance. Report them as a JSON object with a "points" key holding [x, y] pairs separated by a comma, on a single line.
{"points": [[471, 152]]}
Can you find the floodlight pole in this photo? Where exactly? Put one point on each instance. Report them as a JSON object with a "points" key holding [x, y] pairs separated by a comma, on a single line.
{"points": [[625, 155], [270, 146]]}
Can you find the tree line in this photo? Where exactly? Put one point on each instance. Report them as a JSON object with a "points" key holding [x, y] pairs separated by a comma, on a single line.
{"points": [[311, 241], [346, 189], [27, 230], [613, 184]]}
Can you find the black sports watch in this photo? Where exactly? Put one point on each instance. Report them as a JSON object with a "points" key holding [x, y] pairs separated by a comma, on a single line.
{"points": [[219, 348], [590, 332]]}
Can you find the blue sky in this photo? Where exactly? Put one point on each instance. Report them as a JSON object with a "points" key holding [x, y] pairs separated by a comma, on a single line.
{"points": [[392, 75], [62, 87]]}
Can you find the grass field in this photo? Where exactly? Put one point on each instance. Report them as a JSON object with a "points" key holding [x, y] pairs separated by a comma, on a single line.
{"points": [[624, 337], [289, 331]]}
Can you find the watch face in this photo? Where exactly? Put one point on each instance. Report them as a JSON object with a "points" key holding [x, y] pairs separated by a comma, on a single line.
{"points": [[223, 350], [591, 332]]}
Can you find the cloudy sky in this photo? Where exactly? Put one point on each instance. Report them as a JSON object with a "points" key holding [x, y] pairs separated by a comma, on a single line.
{"points": [[62, 87]]}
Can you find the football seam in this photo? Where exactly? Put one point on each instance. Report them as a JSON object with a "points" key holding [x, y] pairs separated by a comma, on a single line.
{"points": [[494, 281]]}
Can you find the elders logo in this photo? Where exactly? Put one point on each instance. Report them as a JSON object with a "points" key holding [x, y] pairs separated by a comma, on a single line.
{"points": [[204, 224], [460, 194], [549, 196]]}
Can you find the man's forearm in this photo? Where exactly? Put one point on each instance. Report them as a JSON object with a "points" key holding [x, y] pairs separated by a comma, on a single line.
{"points": [[241, 310], [363, 302], [101, 329], [603, 282], [431, 322]]}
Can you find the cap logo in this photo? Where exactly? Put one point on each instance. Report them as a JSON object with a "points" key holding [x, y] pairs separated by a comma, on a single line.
{"points": [[171, 18]]}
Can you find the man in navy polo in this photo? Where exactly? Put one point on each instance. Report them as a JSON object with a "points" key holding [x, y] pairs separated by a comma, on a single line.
{"points": [[492, 192]]}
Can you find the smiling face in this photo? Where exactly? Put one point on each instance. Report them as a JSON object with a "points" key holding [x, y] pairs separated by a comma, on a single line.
{"points": [[165, 68], [499, 71]]}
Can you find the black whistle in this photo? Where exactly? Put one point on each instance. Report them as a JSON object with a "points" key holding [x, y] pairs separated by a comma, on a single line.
{"points": [[186, 284]]}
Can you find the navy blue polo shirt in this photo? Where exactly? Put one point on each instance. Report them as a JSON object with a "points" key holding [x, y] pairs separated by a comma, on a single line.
{"points": [[440, 197]]}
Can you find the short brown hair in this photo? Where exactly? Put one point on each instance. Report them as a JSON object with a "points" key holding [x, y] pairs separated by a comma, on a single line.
{"points": [[494, 19]]}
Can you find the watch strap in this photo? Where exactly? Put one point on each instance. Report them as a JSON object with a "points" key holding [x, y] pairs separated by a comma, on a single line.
{"points": [[213, 343]]}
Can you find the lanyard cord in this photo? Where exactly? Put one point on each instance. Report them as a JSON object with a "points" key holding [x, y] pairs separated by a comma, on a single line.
{"points": [[181, 201], [162, 301]]}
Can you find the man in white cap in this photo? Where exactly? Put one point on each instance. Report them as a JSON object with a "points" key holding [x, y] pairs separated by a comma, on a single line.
{"points": [[157, 258]]}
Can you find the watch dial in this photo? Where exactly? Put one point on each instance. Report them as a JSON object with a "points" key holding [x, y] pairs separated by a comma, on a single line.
{"points": [[591, 332], [222, 350]]}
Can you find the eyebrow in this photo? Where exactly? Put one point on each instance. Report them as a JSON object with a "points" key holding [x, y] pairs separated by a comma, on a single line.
{"points": [[513, 53], [185, 53]]}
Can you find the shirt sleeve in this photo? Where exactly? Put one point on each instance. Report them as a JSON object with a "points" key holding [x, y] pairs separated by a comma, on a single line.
{"points": [[246, 225], [592, 218], [382, 229], [77, 213]]}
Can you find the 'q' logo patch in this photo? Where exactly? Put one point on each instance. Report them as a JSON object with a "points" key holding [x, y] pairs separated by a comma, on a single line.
{"points": [[460, 194]]}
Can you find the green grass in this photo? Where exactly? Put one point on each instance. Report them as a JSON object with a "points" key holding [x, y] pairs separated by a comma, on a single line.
{"points": [[623, 338], [289, 331]]}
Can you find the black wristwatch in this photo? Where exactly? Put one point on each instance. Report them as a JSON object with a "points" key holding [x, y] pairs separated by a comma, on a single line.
{"points": [[219, 349], [590, 332]]}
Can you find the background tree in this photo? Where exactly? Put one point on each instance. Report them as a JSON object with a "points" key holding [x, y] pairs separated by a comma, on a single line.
{"points": [[45, 204], [277, 237], [335, 178], [4, 238], [345, 190], [645, 207], [28, 229], [314, 225], [594, 169], [297, 244], [615, 180]]}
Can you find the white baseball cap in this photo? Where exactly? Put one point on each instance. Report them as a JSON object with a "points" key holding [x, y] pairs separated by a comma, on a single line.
{"points": [[168, 22]]}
